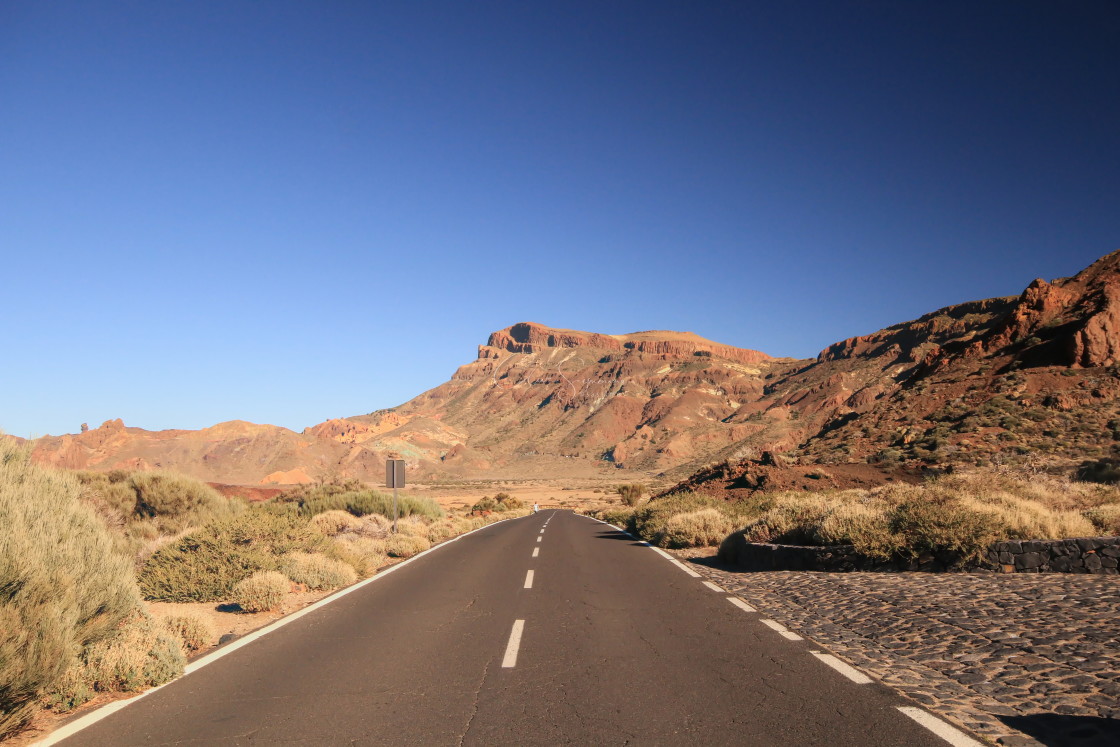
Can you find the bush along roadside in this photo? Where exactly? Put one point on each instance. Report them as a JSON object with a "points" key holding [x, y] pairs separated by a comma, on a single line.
{"points": [[71, 618], [81, 552]]}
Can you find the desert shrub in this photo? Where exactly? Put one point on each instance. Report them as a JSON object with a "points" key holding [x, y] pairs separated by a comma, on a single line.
{"points": [[317, 571], [414, 526], [1105, 471], [440, 531], [631, 494], [405, 545], [364, 554], [928, 524], [507, 502], [1105, 519], [335, 522], [193, 629], [702, 528], [486, 503], [620, 517], [864, 526], [62, 585], [651, 520], [141, 653], [205, 565], [261, 592]]}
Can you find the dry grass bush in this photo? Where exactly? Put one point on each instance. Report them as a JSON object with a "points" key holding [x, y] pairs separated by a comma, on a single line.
{"points": [[962, 512], [205, 565], [142, 653], [317, 571], [1106, 519], [261, 592], [651, 521], [193, 629], [703, 528], [440, 531], [364, 554], [63, 587], [620, 517], [406, 545], [335, 522]]}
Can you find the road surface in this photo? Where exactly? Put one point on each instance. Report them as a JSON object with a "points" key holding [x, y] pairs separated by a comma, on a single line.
{"points": [[550, 629]]}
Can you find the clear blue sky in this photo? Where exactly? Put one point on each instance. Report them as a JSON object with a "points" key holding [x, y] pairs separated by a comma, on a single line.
{"points": [[284, 212]]}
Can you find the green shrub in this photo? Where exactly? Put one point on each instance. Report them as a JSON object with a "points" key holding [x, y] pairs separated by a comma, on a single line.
{"points": [[350, 496], [193, 629], [205, 565], [62, 585], [261, 592], [651, 520], [317, 571], [507, 502]]}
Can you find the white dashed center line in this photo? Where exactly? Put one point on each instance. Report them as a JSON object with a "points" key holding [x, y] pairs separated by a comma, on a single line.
{"points": [[536, 551], [713, 587], [539, 538], [529, 580], [542, 530], [776, 626], [741, 604], [953, 736], [850, 672], [510, 659]]}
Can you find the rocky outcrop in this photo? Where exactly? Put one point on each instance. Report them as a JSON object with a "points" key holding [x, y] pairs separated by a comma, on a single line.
{"points": [[529, 337]]}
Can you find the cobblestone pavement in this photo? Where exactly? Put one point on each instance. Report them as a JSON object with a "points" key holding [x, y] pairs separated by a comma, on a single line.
{"points": [[1019, 659]]}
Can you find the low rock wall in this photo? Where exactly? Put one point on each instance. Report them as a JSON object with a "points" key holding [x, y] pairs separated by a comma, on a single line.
{"points": [[1082, 555]]}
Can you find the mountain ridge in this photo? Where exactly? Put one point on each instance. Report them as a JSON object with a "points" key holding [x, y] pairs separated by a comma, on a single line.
{"points": [[1033, 376]]}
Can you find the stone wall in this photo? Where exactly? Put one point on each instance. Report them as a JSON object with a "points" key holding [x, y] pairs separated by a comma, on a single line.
{"points": [[1082, 555]]}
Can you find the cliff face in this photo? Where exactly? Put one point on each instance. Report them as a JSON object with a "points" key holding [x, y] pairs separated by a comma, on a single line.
{"points": [[528, 337], [1028, 378]]}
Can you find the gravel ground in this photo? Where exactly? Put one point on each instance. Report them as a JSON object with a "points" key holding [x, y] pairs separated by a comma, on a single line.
{"points": [[1019, 659]]}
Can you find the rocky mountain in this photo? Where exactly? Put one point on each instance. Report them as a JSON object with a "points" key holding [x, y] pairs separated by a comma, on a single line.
{"points": [[1030, 378]]}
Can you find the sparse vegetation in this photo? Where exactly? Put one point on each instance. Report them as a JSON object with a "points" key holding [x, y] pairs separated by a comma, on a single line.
{"points": [[195, 630]]}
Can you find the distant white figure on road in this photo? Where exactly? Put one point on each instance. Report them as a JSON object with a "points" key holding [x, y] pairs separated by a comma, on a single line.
{"points": [[536, 508]]}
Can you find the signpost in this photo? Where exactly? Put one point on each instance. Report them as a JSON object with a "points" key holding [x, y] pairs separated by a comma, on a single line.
{"points": [[394, 478]]}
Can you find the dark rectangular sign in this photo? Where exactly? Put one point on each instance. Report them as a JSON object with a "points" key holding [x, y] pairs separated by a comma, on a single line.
{"points": [[394, 473]]}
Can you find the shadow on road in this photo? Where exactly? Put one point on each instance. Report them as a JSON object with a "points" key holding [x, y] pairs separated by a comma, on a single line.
{"points": [[1057, 730], [610, 535]]}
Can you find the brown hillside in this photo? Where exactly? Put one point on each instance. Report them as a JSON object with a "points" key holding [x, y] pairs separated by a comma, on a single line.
{"points": [[1028, 379]]}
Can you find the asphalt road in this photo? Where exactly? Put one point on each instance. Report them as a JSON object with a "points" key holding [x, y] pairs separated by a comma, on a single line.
{"points": [[618, 645]]}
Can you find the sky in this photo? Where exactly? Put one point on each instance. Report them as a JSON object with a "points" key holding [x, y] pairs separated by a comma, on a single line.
{"points": [[285, 212]]}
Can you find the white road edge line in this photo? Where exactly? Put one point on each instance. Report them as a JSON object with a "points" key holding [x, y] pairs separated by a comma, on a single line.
{"points": [[536, 551], [843, 668], [514, 645], [781, 630], [657, 550], [72, 728], [529, 580], [950, 734], [741, 604], [714, 587]]}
